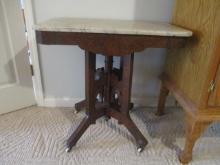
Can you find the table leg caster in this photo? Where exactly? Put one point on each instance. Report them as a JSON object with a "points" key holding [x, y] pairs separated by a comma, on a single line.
{"points": [[68, 149], [75, 111], [140, 149], [107, 118]]}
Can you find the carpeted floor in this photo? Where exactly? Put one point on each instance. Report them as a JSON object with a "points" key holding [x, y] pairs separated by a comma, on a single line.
{"points": [[37, 136]]}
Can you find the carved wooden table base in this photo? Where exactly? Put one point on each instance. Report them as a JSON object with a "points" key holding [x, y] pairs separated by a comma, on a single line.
{"points": [[108, 92]]}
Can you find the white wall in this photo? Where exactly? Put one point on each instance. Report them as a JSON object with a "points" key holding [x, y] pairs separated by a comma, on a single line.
{"points": [[63, 66]]}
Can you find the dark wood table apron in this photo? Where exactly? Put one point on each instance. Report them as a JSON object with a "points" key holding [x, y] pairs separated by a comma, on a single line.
{"points": [[108, 90]]}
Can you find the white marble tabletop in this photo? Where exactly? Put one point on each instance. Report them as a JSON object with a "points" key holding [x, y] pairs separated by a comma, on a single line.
{"points": [[112, 27]]}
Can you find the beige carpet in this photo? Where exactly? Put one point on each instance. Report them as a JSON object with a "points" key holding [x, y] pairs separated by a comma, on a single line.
{"points": [[37, 136]]}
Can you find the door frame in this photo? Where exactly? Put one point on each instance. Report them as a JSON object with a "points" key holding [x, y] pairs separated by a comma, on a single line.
{"points": [[37, 81]]}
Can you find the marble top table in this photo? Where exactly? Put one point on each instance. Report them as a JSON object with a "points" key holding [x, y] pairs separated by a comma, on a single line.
{"points": [[108, 89], [112, 27]]}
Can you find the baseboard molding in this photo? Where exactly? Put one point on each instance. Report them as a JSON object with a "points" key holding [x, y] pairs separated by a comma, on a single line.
{"points": [[70, 102], [153, 101], [61, 102]]}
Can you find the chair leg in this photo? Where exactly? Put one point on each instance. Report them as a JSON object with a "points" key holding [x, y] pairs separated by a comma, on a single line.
{"points": [[162, 100], [194, 130]]}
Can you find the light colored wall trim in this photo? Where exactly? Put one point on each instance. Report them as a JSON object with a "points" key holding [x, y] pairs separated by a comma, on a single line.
{"points": [[37, 83], [153, 101], [70, 102], [61, 102]]}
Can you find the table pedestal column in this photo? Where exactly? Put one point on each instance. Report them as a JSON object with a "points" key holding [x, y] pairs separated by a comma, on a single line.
{"points": [[108, 93]]}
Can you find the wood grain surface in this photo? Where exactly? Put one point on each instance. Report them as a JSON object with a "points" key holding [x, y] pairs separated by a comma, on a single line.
{"points": [[109, 44], [214, 98], [189, 67]]}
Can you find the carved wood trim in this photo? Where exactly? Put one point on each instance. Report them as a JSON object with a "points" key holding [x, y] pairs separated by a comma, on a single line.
{"points": [[109, 44]]}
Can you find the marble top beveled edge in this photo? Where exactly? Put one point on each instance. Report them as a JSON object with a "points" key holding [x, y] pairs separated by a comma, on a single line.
{"points": [[112, 27]]}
